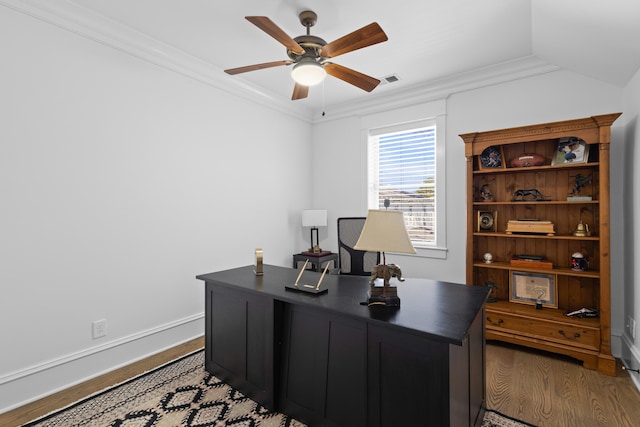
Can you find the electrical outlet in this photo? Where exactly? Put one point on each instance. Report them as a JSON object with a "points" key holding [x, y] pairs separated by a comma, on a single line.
{"points": [[99, 328], [632, 327]]}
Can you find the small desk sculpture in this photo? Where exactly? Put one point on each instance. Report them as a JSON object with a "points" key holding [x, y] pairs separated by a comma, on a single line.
{"points": [[385, 272], [385, 295], [310, 289], [523, 194]]}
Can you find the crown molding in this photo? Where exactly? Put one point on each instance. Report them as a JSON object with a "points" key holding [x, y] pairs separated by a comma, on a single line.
{"points": [[76, 19], [442, 88]]}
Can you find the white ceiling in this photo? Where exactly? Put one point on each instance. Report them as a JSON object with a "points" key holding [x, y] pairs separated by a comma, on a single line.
{"points": [[429, 40]]}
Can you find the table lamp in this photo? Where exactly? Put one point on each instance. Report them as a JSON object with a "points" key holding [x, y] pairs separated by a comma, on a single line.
{"points": [[314, 218], [385, 231]]}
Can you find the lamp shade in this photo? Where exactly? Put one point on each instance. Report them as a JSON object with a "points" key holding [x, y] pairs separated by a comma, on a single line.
{"points": [[308, 72], [314, 218], [384, 231]]}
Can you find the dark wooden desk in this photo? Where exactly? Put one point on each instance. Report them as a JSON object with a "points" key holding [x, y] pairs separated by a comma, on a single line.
{"points": [[328, 360]]}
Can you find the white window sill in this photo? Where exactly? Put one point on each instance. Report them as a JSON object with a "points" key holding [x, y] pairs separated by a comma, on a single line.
{"points": [[428, 252], [431, 252]]}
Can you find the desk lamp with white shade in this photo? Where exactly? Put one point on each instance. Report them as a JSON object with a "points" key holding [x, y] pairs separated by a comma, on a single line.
{"points": [[314, 218], [385, 231]]}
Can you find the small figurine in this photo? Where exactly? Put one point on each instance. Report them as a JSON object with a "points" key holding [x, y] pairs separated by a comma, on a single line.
{"points": [[493, 286], [582, 230], [485, 193], [581, 181], [523, 194], [579, 262], [385, 272], [541, 293]]}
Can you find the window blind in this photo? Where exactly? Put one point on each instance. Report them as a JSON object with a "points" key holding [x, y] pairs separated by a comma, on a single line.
{"points": [[402, 170]]}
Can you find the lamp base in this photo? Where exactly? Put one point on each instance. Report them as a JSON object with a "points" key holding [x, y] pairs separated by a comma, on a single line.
{"points": [[316, 254], [385, 296]]}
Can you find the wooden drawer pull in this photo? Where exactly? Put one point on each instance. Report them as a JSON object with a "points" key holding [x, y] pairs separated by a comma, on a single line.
{"points": [[576, 335], [500, 321]]}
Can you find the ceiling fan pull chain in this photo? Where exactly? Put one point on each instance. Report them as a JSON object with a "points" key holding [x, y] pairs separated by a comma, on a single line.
{"points": [[323, 98]]}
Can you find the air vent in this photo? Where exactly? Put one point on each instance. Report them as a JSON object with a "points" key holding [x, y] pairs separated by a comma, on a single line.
{"points": [[392, 78]]}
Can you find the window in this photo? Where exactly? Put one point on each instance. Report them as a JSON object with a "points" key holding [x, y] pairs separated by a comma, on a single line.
{"points": [[402, 172]]}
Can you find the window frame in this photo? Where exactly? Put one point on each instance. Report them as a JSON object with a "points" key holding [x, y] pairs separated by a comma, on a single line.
{"points": [[406, 119]]}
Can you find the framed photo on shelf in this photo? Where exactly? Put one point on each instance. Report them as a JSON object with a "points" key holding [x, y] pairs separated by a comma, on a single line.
{"points": [[570, 151], [487, 221], [533, 289], [491, 158]]}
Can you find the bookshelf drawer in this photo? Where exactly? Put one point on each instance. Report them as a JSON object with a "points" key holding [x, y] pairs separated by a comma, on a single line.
{"points": [[543, 329]]}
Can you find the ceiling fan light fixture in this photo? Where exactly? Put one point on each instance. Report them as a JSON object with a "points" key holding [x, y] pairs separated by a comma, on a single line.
{"points": [[308, 72]]}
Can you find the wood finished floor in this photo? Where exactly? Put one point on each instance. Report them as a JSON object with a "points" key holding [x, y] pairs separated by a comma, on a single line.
{"points": [[541, 389], [550, 390], [48, 404]]}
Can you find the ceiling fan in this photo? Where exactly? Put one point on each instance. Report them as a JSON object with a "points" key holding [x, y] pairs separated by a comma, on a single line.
{"points": [[310, 54]]}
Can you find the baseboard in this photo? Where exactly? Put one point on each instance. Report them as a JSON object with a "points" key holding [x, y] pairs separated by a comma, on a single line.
{"points": [[36, 382], [616, 344], [631, 359]]}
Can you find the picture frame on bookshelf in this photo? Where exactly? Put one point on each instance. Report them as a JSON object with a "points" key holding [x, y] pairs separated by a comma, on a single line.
{"points": [[533, 288], [570, 151], [491, 158]]}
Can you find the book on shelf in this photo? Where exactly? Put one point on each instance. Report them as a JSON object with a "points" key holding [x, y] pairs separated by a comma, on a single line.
{"points": [[530, 262]]}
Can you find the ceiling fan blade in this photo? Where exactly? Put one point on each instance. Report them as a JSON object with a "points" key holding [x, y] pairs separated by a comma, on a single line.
{"points": [[299, 92], [365, 36], [255, 67], [354, 77], [269, 27]]}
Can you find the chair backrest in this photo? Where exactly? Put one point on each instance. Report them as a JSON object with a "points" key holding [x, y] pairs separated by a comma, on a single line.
{"points": [[351, 260]]}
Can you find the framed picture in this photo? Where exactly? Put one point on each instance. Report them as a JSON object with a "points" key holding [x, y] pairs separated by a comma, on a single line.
{"points": [[487, 221], [491, 158], [570, 151], [533, 288]]}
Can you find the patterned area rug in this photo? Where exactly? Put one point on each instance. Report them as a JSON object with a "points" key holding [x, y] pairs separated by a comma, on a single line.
{"points": [[182, 393], [496, 419]]}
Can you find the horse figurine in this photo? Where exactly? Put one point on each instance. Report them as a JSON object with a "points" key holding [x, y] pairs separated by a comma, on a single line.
{"points": [[581, 181], [523, 194]]}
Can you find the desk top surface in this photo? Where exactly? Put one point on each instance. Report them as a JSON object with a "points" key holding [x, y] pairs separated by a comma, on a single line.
{"points": [[440, 310]]}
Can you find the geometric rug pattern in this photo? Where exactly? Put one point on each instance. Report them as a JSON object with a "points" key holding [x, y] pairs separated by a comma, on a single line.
{"points": [[496, 419], [182, 393]]}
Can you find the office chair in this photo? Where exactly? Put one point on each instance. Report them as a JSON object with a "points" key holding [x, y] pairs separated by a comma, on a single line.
{"points": [[352, 261]]}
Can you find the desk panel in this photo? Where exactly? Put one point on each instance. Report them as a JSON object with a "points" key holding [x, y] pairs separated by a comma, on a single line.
{"points": [[241, 337], [408, 379], [324, 369]]}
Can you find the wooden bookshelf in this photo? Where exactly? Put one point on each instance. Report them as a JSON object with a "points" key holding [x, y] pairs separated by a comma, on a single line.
{"points": [[518, 320]]}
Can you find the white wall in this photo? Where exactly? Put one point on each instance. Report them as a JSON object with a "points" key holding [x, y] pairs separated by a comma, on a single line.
{"points": [[120, 182], [631, 209], [340, 179]]}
